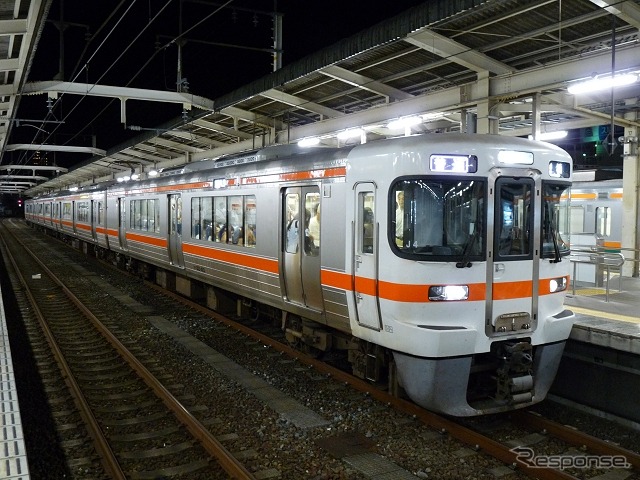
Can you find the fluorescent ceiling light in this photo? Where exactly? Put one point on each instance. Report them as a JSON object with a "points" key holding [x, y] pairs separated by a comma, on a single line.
{"points": [[351, 133], [546, 136], [601, 83], [309, 142], [404, 122]]}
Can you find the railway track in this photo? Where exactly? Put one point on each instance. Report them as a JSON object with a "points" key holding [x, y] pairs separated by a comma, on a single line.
{"points": [[137, 428], [265, 358]]}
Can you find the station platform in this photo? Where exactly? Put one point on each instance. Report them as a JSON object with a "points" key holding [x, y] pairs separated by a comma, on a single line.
{"points": [[14, 465], [612, 322], [600, 368]]}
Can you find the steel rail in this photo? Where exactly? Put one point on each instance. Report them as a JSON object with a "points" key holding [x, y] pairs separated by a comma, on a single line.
{"points": [[107, 456], [474, 439], [225, 459], [575, 437]]}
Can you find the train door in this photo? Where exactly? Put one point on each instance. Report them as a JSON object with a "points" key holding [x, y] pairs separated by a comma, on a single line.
{"points": [[175, 230], [513, 276], [94, 220], [300, 248], [122, 222], [365, 257]]}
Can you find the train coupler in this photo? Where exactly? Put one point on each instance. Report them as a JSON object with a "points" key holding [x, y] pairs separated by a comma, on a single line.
{"points": [[514, 377]]}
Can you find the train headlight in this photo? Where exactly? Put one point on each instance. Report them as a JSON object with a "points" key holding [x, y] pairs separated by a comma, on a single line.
{"points": [[557, 284], [446, 293]]}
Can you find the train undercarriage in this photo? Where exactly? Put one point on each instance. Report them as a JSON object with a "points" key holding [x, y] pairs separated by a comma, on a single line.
{"points": [[504, 376]]}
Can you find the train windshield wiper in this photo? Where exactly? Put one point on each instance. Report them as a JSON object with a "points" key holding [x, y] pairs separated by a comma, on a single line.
{"points": [[466, 253], [556, 250]]}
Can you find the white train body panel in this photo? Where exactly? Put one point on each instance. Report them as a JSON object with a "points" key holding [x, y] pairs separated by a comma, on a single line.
{"points": [[475, 266]]}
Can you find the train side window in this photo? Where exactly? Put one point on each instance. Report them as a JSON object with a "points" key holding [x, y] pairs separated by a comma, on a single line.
{"points": [[100, 213], [132, 214], [577, 220], [367, 221], [603, 221], [154, 216], [206, 218], [312, 222], [143, 221], [235, 221], [66, 210], [292, 221], [195, 217], [220, 219], [83, 212], [250, 220]]}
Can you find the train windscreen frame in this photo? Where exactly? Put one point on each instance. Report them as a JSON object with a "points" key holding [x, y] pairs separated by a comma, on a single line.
{"points": [[438, 218], [554, 237]]}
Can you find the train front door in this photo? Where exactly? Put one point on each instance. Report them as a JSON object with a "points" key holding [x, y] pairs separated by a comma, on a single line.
{"points": [[175, 230], [365, 257], [301, 246], [514, 273]]}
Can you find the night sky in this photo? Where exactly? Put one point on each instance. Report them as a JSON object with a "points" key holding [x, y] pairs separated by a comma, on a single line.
{"points": [[132, 43]]}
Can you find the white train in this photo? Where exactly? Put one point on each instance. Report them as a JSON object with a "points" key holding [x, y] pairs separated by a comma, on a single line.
{"points": [[596, 207], [439, 262]]}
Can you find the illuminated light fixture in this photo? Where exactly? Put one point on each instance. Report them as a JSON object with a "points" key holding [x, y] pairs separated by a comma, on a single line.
{"points": [[514, 157], [309, 142], [602, 83], [120, 179], [433, 116], [73, 189], [135, 176], [350, 133], [546, 136], [559, 169], [557, 284], [153, 173], [126, 178], [404, 122], [448, 293]]}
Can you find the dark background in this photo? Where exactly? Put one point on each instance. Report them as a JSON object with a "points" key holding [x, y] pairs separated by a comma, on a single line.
{"points": [[132, 43]]}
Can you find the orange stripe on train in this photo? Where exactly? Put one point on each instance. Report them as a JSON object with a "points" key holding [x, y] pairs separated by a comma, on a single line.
{"points": [[258, 263], [148, 240]]}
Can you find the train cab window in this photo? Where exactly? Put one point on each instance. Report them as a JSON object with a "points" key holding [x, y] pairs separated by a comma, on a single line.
{"points": [[438, 219], [513, 217], [555, 220], [312, 222]]}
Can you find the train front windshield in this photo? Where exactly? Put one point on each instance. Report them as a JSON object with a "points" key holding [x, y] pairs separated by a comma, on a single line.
{"points": [[442, 219], [555, 220], [439, 219]]}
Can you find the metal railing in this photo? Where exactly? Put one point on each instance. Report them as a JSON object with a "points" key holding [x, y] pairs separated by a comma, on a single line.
{"points": [[604, 261]]}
